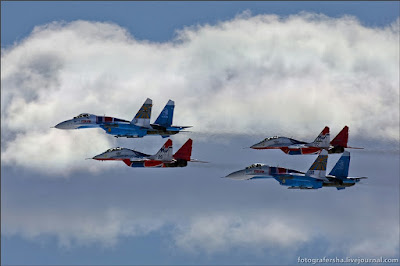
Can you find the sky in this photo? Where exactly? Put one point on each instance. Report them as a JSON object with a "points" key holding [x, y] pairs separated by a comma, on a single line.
{"points": [[238, 72]]}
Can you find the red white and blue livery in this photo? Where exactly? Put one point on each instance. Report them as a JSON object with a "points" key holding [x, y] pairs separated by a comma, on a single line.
{"points": [[314, 178], [163, 158], [137, 128], [295, 147]]}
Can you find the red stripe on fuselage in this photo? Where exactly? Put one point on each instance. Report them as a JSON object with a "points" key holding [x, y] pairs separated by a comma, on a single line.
{"points": [[282, 170], [153, 163], [307, 150], [310, 150], [108, 119]]}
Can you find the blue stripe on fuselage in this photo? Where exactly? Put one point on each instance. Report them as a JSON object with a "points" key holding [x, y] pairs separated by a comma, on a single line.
{"points": [[295, 152], [137, 164]]}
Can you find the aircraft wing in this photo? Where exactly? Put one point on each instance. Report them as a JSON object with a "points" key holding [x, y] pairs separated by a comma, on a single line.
{"points": [[358, 178], [323, 178], [277, 146], [135, 159], [139, 155]]}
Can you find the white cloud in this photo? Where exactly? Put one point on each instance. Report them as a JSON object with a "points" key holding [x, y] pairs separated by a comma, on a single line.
{"points": [[79, 229], [56, 153], [252, 74], [220, 233], [211, 233]]}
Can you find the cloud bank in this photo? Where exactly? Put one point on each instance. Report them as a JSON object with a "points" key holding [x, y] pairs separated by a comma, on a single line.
{"points": [[250, 75], [199, 214]]}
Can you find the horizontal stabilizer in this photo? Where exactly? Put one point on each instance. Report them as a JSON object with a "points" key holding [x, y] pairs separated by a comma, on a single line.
{"points": [[158, 127], [177, 128], [358, 178], [197, 161], [301, 188]]}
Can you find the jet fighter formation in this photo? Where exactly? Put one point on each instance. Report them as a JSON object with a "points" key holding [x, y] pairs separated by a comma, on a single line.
{"points": [[315, 177], [140, 126], [137, 128]]}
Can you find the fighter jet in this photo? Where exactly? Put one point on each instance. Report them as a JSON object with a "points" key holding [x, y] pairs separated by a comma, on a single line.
{"points": [[163, 158], [137, 128], [315, 177], [296, 147]]}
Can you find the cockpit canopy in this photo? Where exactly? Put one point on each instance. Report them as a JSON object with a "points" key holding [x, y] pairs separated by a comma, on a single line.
{"points": [[270, 138], [114, 149], [255, 165], [82, 116]]}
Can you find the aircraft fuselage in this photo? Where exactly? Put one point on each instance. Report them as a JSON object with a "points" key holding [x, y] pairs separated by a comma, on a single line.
{"points": [[291, 178], [116, 126]]}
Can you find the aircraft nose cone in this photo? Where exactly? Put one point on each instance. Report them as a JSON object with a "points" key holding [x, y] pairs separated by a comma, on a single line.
{"points": [[97, 157], [65, 125], [100, 157], [236, 174], [258, 145]]}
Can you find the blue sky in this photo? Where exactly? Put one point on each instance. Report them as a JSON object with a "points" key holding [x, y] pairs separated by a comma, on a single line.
{"points": [[157, 21], [60, 209]]}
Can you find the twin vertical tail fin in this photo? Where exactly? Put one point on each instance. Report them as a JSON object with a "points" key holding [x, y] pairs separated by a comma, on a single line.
{"points": [[165, 153], [142, 118], [185, 151], [341, 138], [341, 168], [166, 115], [318, 168], [323, 139]]}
